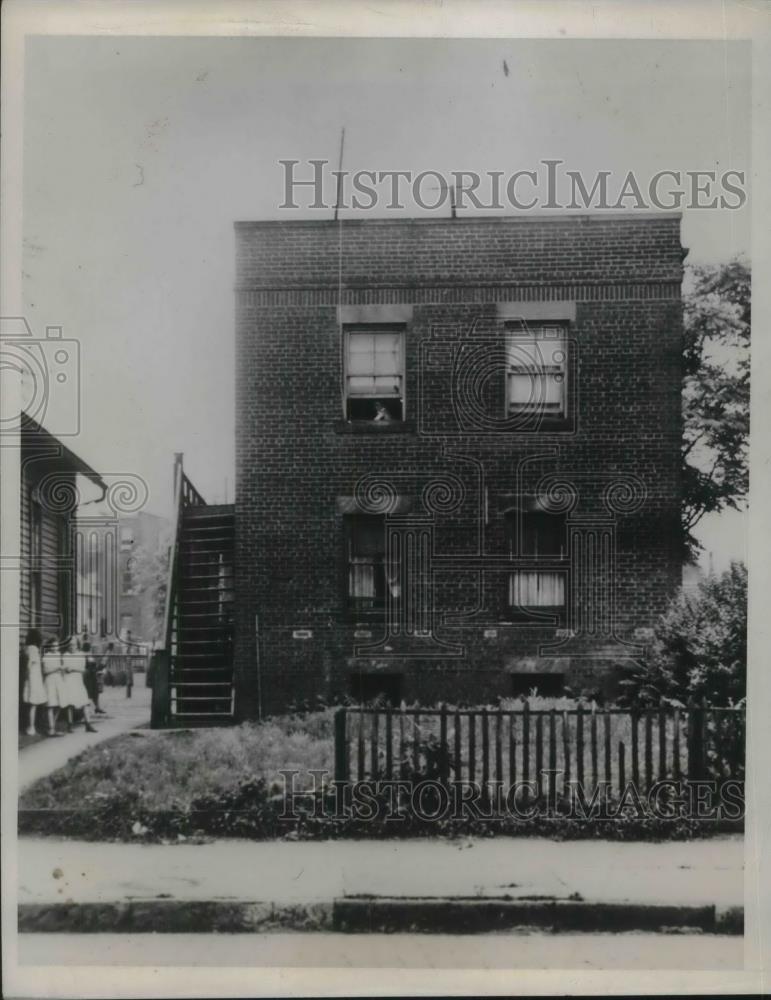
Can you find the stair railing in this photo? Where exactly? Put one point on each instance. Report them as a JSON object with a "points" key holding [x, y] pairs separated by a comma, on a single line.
{"points": [[185, 495]]}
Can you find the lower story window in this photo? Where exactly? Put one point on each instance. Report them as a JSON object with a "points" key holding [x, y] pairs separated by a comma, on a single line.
{"points": [[371, 575], [537, 589], [543, 685], [380, 688]]}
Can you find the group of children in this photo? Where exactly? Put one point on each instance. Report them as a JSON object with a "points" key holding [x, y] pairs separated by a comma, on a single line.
{"points": [[59, 675]]}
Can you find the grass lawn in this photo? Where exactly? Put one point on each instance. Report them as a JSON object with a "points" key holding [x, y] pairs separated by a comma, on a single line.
{"points": [[226, 782], [162, 770]]}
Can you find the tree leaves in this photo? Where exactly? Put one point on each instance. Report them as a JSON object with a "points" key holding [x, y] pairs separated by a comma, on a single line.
{"points": [[700, 647], [716, 393]]}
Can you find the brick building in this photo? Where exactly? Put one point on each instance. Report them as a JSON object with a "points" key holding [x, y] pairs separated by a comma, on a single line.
{"points": [[457, 448]]}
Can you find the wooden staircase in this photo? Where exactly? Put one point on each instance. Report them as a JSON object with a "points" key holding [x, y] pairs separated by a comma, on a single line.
{"points": [[202, 665], [194, 672]]}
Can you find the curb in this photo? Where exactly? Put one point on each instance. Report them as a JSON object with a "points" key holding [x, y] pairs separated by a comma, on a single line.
{"points": [[370, 915]]}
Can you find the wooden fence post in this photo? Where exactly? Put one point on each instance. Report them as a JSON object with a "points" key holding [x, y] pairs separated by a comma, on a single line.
{"points": [[566, 751], [704, 730], [621, 768], [512, 750], [389, 761], [695, 735], [485, 756], [593, 741], [472, 745], [606, 741], [341, 746], [648, 750], [375, 744], [402, 744], [160, 698], [416, 743], [662, 740], [538, 755], [580, 743], [498, 749], [360, 749], [444, 752], [552, 760], [457, 738], [526, 746], [635, 751]]}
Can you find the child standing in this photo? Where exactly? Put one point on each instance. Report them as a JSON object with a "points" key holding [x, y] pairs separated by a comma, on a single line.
{"points": [[76, 696], [34, 693], [54, 684]]}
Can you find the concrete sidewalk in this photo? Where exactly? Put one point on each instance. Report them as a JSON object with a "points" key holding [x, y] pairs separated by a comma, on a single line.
{"points": [[361, 884], [45, 755]]}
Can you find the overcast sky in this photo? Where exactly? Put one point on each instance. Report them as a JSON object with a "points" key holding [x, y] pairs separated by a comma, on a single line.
{"points": [[141, 153]]}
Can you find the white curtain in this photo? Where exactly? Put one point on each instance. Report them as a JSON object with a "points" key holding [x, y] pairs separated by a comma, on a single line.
{"points": [[535, 588]]}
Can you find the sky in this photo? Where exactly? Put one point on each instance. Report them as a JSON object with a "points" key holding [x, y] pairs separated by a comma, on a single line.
{"points": [[140, 153]]}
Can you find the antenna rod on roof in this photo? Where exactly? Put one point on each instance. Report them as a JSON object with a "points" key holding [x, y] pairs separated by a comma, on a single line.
{"points": [[340, 173]]}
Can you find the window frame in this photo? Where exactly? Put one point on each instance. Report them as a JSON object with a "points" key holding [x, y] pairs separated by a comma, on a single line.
{"points": [[390, 570], [374, 328], [536, 333], [528, 559]]}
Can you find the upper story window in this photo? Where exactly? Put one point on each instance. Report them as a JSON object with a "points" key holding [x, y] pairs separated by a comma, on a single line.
{"points": [[374, 373], [537, 370]]}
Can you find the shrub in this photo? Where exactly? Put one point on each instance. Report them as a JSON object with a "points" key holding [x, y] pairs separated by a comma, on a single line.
{"points": [[699, 649]]}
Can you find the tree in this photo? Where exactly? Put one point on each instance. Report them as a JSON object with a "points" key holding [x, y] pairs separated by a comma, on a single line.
{"points": [[716, 393], [699, 649], [150, 579]]}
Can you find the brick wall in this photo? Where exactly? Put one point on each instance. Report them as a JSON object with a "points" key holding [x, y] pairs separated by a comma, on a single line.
{"points": [[298, 463]]}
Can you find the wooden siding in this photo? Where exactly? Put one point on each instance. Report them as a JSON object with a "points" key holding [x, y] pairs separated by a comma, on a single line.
{"points": [[57, 582]]}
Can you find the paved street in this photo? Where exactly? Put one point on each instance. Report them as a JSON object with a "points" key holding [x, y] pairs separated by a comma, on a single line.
{"points": [[44, 755], [484, 951]]}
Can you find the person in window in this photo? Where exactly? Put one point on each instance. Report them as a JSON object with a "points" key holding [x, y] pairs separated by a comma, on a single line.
{"points": [[381, 413], [34, 694]]}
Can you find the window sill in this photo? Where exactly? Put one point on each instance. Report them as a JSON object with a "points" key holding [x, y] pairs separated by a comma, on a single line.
{"points": [[370, 427], [547, 615], [542, 424]]}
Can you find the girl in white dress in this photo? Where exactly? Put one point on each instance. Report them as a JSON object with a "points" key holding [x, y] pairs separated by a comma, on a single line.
{"points": [[53, 677], [76, 696], [34, 693]]}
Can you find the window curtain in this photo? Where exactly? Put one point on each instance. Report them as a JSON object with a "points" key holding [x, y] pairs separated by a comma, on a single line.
{"points": [[534, 589]]}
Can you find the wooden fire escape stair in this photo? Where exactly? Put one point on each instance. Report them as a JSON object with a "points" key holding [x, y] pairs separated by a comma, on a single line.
{"points": [[194, 672]]}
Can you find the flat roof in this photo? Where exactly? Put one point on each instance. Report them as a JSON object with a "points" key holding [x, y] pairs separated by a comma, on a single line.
{"points": [[578, 217]]}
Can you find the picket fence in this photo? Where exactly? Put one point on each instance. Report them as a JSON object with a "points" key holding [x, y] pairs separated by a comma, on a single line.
{"points": [[586, 744]]}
